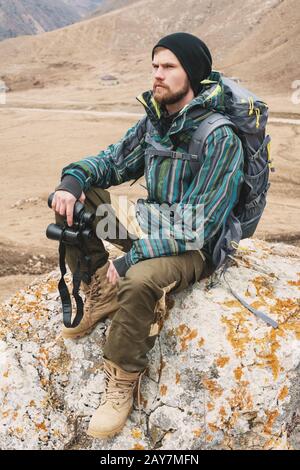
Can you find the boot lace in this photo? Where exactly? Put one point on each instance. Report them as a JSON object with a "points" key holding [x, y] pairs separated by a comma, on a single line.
{"points": [[117, 389]]}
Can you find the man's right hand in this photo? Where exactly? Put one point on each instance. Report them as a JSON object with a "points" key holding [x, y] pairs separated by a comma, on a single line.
{"points": [[63, 203]]}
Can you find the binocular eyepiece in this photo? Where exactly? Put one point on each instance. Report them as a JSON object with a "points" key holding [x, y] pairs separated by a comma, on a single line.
{"points": [[81, 228]]}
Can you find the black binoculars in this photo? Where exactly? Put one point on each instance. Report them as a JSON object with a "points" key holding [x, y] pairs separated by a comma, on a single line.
{"points": [[81, 228]]}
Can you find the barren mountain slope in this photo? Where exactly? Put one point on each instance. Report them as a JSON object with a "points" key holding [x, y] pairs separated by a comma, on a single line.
{"points": [[34, 16], [259, 41]]}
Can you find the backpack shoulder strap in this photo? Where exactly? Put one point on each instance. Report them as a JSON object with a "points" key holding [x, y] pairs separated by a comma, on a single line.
{"points": [[205, 128]]}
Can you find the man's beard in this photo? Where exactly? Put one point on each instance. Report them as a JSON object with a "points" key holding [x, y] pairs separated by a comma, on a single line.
{"points": [[172, 98]]}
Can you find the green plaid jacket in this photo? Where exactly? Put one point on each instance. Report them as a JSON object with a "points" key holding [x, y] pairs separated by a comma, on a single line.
{"points": [[216, 186]]}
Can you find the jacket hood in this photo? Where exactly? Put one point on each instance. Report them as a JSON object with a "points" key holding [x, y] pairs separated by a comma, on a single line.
{"points": [[210, 98]]}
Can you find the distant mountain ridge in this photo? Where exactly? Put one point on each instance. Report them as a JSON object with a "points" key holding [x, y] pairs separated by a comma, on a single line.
{"points": [[83, 7], [110, 5], [19, 17]]}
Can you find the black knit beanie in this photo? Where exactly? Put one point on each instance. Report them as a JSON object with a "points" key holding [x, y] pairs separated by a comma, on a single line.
{"points": [[192, 53]]}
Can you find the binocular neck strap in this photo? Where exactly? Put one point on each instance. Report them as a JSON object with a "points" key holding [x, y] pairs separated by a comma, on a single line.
{"points": [[64, 291]]}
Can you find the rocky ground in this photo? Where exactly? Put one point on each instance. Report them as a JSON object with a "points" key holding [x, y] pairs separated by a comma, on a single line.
{"points": [[218, 377]]}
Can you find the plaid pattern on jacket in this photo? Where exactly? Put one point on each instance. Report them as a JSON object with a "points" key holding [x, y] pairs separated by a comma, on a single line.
{"points": [[216, 186]]}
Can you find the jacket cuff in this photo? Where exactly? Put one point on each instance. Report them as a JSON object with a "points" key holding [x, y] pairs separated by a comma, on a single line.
{"points": [[71, 184], [121, 264]]}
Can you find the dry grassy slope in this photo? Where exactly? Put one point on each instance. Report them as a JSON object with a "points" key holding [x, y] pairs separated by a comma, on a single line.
{"points": [[273, 49], [122, 39]]}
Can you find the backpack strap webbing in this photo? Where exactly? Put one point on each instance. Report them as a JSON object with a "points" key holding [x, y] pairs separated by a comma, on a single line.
{"points": [[205, 128]]}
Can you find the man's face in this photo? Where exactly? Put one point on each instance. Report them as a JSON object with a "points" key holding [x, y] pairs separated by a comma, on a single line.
{"points": [[170, 81]]}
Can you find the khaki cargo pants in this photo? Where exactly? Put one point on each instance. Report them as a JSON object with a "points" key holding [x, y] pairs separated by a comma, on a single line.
{"points": [[141, 293]]}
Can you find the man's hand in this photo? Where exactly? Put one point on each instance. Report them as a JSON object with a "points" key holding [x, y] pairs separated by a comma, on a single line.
{"points": [[112, 274], [63, 203]]}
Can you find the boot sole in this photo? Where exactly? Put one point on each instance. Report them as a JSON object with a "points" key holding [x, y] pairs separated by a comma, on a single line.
{"points": [[79, 335], [104, 435], [108, 434]]}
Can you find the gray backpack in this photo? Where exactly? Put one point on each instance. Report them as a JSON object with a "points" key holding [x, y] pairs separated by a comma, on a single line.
{"points": [[247, 115]]}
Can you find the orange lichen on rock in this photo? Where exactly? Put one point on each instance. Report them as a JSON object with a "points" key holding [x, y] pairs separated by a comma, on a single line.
{"points": [[213, 427], [270, 344], [286, 309], [182, 329], [263, 287], [283, 393], [213, 387], [43, 356], [197, 432], [163, 390], [201, 342], [258, 304], [238, 334], [38, 294], [238, 372], [44, 382], [210, 406], [241, 398], [138, 447], [177, 379], [19, 430], [222, 412], [294, 283], [41, 426], [221, 361], [186, 335], [136, 433], [271, 417], [231, 303], [52, 285]]}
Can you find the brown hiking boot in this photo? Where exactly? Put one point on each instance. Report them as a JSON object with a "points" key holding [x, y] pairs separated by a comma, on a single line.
{"points": [[100, 302], [117, 401]]}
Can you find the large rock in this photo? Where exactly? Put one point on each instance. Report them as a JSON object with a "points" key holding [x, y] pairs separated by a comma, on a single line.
{"points": [[218, 376]]}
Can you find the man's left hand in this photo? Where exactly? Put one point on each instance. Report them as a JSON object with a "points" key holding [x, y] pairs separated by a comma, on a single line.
{"points": [[112, 274]]}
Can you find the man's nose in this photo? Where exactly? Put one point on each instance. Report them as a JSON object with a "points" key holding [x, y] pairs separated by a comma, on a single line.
{"points": [[159, 73]]}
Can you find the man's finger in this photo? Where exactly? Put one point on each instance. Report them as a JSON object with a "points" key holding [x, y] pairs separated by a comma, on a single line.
{"points": [[109, 268], [57, 206], [82, 197], [110, 272], [53, 205], [62, 208], [69, 214]]}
